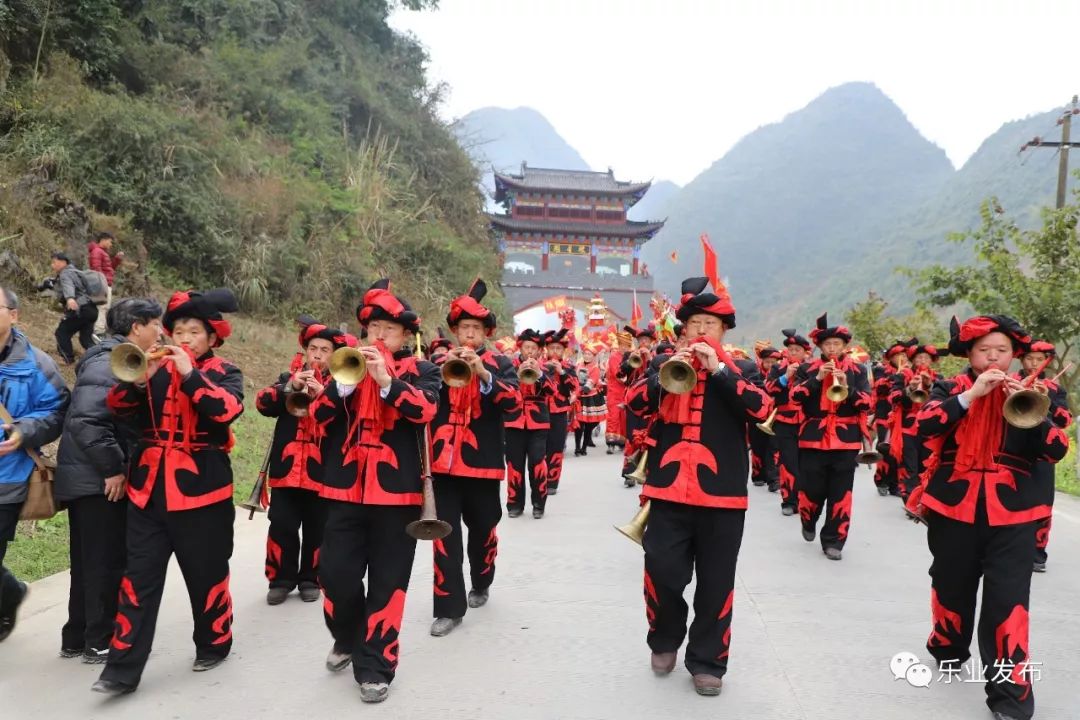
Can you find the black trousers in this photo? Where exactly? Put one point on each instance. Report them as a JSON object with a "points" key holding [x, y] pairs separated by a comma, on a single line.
{"points": [[477, 503], [763, 461], [1042, 527], [202, 540], [1001, 557], [556, 445], [291, 561], [366, 623], [680, 539], [826, 478], [73, 323], [9, 584], [526, 451], [583, 435], [97, 551], [787, 443]]}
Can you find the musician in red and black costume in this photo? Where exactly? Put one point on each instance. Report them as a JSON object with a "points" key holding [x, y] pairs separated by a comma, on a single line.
{"points": [[564, 376], [764, 463], [1061, 416], [640, 426], [527, 428], [982, 503], [830, 436], [890, 417], [372, 482], [779, 384], [619, 377], [918, 377], [179, 487], [295, 470], [468, 461], [696, 486], [437, 348]]}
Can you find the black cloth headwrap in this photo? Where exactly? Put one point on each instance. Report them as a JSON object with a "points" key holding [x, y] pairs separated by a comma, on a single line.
{"points": [[695, 301], [381, 304], [792, 337], [823, 331], [206, 306], [962, 336], [468, 307]]}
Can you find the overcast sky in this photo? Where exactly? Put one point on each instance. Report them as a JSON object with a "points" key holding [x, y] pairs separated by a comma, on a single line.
{"points": [[662, 88]]}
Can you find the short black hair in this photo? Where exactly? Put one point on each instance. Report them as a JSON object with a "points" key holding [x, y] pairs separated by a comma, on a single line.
{"points": [[61, 256], [11, 300], [104, 234], [123, 315]]}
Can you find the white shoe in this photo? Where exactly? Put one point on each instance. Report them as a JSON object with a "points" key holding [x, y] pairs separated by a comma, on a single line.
{"points": [[337, 661]]}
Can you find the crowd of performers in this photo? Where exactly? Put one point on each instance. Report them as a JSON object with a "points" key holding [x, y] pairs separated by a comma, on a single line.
{"points": [[353, 457]]}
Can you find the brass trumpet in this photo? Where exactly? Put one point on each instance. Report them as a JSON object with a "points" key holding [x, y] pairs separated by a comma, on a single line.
{"points": [[348, 366], [766, 427], [635, 529], [678, 377], [429, 526], [638, 475], [456, 372], [868, 456], [1026, 409], [128, 362], [297, 399], [528, 376], [634, 360], [836, 393]]}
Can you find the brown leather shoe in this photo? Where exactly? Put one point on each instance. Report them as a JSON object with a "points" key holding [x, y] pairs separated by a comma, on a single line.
{"points": [[663, 663], [707, 684]]}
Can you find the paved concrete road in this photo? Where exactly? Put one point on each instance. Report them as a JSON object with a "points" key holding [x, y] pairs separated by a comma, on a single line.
{"points": [[563, 635]]}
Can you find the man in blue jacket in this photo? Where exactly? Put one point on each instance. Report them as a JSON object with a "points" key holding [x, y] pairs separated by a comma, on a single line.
{"points": [[35, 396]]}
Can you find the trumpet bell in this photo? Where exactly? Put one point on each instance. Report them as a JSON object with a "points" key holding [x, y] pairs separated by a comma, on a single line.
{"points": [[837, 393], [635, 529], [766, 427], [297, 403], [918, 396], [638, 475], [528, 376], [634, 361], [869, 457], [128, 362], [678, 377], [428, 529], [253, 503], [348, 366], [1026, 409], [456, 373]]}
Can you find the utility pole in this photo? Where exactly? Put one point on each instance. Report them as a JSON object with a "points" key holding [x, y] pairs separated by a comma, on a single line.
{"points": [[1065, 121]]}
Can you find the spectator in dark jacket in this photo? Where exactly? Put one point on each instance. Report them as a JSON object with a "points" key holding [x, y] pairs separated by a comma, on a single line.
{"points": [[90, 482], [80, 312], [98, 258], [34, 397]]}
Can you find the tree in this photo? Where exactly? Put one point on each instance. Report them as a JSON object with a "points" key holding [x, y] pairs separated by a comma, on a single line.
{"points": [[876, 331], [1031, 275]]}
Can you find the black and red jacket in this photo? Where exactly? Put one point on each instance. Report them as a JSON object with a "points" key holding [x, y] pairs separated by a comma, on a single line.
{"points": [[788, 410], [828, 425], [903, 403], [532, 412], [184, 434], [1013, 493], [467, 432], [295, 452], [700, 456], [565, 388], [376, 461]]}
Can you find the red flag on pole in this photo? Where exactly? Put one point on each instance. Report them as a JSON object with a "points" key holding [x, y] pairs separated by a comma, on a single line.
{"points": [[711, 264], [635, 313]]}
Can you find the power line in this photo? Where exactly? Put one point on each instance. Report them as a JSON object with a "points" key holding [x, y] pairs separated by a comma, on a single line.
{"points": [[1065, 121]]}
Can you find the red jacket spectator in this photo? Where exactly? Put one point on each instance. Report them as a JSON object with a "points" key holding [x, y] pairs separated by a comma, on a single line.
{"points": [[100, 260]]}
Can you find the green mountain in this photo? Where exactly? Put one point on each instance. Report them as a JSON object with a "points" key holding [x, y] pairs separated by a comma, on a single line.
{"points": [[793, 202]]}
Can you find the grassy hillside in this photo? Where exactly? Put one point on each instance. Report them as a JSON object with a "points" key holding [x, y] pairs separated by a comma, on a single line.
{"points": [[290, 150]]}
